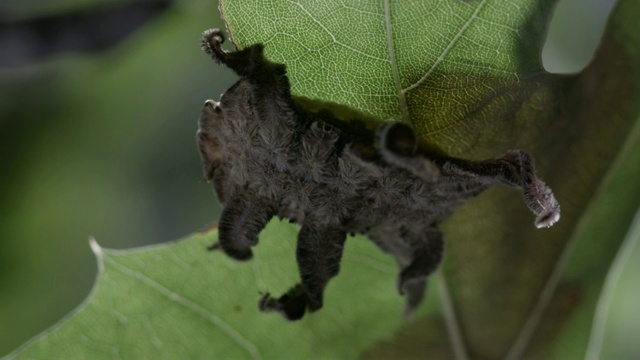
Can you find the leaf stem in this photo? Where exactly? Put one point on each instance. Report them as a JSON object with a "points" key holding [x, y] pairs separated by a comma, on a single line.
{"points": [[451, 321], [525, 335]]}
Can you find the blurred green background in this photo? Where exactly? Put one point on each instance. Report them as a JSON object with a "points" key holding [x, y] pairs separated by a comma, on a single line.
{"points": [[102, 143]]}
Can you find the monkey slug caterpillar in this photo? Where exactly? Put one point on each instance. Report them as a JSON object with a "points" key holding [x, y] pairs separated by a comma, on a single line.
{"points": [[268, 156]]}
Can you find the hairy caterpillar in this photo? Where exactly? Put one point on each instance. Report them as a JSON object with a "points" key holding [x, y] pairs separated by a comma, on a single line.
{"points": [[268, 156]]}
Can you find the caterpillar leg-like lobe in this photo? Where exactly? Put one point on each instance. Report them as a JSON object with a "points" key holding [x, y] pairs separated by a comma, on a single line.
{"points": [[208, 145], [397, 144], [271, 91], [515, 168], [243, 62], [537, 195], [318, 253], [242, 220], [427, 256], [292, 305]]}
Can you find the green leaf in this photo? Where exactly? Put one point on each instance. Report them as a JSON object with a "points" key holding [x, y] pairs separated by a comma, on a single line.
{"points": [[445, 66], [181, 301], [467, 75]]}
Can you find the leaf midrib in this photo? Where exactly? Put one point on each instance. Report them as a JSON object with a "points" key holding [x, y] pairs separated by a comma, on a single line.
{"points": [[402, 101], [227, 329]]}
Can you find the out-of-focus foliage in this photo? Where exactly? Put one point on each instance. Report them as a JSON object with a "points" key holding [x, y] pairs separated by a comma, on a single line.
{"points": [[99, 145]]}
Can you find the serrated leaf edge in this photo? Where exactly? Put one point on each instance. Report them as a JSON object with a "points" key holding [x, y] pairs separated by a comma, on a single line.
{"points": [[98, 252]]}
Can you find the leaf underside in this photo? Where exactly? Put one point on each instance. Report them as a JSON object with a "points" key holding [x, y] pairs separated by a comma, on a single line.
{"points": [[468, 76]]}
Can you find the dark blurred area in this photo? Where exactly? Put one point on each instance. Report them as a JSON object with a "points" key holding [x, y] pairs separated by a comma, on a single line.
{"points": [[28, 40], [99, 102]]}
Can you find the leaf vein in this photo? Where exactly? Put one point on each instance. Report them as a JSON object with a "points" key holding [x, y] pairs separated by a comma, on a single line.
{"points": [[190, 305], [404, 109], [333, 38], [449, 47], [451, 320]]}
